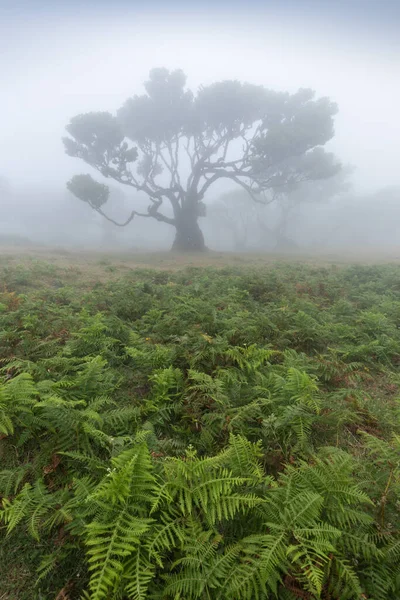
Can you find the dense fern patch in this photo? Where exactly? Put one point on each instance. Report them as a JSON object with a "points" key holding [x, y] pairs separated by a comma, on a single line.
{"points": [[227, 434]]}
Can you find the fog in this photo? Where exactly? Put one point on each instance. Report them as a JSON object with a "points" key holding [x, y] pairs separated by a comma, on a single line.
{"points": [[59, 62]]}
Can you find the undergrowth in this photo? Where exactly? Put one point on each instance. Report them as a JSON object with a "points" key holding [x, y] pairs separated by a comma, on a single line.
{"points": [[211, 434]]}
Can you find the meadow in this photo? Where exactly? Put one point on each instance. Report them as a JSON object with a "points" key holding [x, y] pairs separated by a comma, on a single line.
{"points": [[215, 427]]}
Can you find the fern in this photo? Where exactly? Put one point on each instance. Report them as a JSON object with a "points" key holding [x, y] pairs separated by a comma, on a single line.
{"points": [[116, 532], [16, 396], [166, 436]]}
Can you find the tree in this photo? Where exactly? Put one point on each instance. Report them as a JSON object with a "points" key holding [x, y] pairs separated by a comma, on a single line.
{"points": [[273, 219], [173, 145], [232, 213], [307, 192]]}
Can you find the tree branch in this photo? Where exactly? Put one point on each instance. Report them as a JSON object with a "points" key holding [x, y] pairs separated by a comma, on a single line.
{"points": [[233, 177], [155, 214]]}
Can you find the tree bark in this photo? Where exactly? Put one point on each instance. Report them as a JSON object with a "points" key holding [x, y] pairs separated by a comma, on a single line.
{"points": [[188, 237]]}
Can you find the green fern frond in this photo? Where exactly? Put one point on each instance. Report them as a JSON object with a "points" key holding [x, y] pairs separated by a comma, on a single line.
{"points": [[33, 505], [11, 479], [343, 582], [16, 395], [262, 563], [168, 533], [243, 458], [138, 573], [110, 540], [303, 389]]}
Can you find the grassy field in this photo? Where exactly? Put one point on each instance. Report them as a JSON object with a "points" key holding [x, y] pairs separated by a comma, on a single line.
{"points": [[218, 426], [63, 257]]}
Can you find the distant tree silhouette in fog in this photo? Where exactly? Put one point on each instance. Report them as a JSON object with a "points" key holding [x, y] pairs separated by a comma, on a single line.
{"points": [[173, 145]]}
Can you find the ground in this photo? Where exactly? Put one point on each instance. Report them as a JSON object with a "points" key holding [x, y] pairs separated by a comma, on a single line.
{"points": [[102, 264], [334, 316]]}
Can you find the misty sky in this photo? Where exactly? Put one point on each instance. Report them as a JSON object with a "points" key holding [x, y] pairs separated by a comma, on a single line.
{"points": [[57, 61]]}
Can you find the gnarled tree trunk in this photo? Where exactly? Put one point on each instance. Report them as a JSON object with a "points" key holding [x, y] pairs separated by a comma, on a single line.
{"points": [[188, 237]]}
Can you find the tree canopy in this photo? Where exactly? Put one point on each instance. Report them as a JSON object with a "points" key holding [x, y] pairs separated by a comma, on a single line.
{"points": [[173, 145]]}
